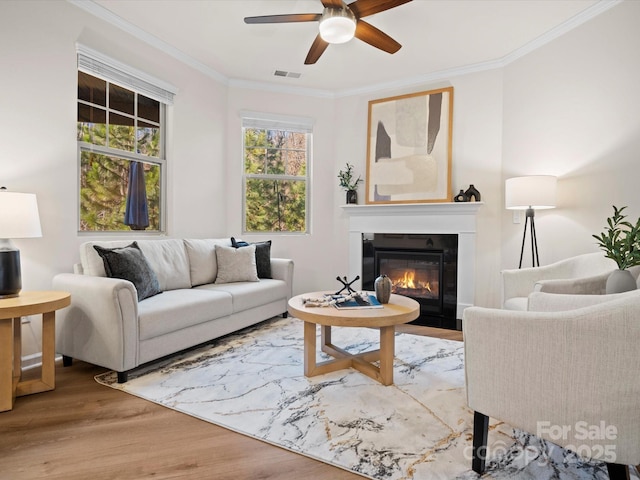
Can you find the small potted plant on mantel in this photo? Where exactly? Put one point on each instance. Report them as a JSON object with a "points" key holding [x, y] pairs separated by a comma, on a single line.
{"points": [[349, 184], [621, 242]]}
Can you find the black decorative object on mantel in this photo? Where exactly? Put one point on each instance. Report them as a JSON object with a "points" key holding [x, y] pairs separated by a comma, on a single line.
{"points": [[460, 197], [346, 284], [472, 192], [352, 197]]}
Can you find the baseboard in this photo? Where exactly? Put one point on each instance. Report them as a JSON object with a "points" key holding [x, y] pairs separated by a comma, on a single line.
{"points": [[34, 361]]}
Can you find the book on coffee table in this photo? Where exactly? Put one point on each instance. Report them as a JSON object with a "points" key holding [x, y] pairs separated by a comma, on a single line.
{"points": [[364, 301]]}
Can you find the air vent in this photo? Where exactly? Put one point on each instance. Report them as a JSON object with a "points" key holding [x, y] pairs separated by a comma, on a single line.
{"points": [[282, 73]]}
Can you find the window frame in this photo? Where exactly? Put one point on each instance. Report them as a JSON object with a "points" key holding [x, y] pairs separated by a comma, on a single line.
{"points": [[263, 121], [116, 73]]}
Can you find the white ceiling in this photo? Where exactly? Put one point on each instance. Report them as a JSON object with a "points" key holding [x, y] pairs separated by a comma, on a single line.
{"points": [[439, 38]]}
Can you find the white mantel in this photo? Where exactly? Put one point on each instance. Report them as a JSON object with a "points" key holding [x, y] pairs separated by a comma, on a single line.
{"points": [[434, 218]]}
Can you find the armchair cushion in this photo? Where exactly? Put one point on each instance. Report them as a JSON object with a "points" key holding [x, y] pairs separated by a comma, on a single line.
{"points": [[561, 302]]}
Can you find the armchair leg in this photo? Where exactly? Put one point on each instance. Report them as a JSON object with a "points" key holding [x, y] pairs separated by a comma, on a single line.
{"points": [[480, 435], [123, 377], [618, 471], [67, 361]]}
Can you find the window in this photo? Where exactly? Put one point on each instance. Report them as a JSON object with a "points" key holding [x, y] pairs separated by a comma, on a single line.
{"points": [[276, 165], [120, 133]]}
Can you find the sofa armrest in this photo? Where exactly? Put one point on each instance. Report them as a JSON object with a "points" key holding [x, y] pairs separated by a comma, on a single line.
{"points": [[101, 324], [594, 285], [282, 269], [531, 369]]}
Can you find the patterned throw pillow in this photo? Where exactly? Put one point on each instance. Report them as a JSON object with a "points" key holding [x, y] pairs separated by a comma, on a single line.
{"points": [[129, 263]]}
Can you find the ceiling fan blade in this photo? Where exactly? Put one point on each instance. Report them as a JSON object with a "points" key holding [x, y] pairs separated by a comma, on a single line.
{"points": [[364, 8], [317, 48], [377, 38], [289, 18], [332, 3]]}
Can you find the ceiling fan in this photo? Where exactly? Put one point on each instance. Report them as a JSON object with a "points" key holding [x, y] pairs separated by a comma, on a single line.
{"points": [[339, 23]]}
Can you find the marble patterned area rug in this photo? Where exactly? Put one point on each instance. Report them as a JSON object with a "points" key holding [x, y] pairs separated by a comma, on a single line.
{"points": [[419, 428]]}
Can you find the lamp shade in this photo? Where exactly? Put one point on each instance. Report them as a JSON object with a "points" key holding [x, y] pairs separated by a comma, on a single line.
{"points": [[338, 25], [534, 191], [19, 216]]}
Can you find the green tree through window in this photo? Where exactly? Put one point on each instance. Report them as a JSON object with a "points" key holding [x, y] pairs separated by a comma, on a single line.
{"points": [[275, 179]]}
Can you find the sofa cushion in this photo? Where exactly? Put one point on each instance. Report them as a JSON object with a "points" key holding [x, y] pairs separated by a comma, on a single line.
{"points": [[167, 257], [182, 308], [202, 259], [248, 295], [129, 263], [236, 264]]}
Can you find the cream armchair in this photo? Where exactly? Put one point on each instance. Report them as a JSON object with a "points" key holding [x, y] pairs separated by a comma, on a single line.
{"points": [[517, 284], [542, 371]]}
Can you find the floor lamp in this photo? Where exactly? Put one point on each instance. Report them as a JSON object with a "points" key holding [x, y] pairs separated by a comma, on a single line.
{"points": [[531, 193]]}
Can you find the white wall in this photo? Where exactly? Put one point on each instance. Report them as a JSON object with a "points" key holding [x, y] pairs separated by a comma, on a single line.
{"points": [[476, 159], [312, 253], [571, 109], [38, 150]]}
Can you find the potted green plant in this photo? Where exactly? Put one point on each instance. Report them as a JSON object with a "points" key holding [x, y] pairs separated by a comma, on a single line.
{"points": [[621, 242], [349, 184]]}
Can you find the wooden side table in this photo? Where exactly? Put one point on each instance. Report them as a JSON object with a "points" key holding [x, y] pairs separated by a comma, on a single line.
{"points": [[11, 311]]}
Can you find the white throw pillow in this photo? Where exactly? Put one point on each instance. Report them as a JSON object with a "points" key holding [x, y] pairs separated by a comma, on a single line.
{"points": [[236, 264]]}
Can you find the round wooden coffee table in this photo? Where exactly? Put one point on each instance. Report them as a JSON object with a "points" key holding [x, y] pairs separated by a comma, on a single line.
{"points": [[399, 310]]}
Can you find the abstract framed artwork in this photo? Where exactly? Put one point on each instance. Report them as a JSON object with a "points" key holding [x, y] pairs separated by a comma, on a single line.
{"points": [[409, 148]]}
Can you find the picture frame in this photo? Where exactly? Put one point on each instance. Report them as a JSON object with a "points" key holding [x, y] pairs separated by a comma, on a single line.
{"points": [[409, 144]]}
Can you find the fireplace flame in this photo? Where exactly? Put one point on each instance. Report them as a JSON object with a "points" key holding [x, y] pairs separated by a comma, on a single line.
{"points": [[408, 281]]}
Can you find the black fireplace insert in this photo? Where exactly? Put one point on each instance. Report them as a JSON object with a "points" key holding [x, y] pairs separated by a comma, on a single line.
{"points": [[423, 267]]}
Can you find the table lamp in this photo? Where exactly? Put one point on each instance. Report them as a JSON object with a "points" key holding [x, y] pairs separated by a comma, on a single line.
{"points": [[18, 219], [534, 192]]}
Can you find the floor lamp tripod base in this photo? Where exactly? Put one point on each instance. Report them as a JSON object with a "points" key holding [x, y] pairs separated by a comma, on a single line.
{"points": [[530, 221]]}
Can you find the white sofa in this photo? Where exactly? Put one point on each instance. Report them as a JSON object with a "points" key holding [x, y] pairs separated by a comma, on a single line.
{"points": [[588, 269], [107, 325]]}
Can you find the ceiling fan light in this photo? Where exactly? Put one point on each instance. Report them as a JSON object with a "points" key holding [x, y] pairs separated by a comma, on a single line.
{"points": [[337, 25]]}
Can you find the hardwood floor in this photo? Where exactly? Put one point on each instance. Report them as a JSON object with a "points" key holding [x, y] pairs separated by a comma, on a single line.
{"points": [[83, 430]]}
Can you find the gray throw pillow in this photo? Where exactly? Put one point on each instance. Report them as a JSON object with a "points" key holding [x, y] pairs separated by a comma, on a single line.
{"points": [[129, 263]]}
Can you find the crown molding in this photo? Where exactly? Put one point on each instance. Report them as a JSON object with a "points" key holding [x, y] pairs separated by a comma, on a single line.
{"points": [[102, 13], [566, 26], [587, 14]]}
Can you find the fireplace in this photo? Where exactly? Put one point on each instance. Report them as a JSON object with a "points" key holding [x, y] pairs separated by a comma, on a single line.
{"points": [[453, 218], [421, 266]]}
